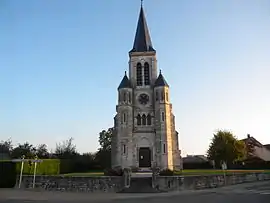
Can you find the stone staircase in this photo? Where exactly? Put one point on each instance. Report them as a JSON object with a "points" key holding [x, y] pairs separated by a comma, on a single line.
{"points": [[140, 185]]}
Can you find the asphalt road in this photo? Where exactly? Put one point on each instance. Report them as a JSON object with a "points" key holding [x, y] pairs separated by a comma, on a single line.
{"points": [[248, 193]]}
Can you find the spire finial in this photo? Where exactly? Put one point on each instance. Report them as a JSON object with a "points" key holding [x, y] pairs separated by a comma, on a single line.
{"points": [[141, 3], [159, 71], [125, 73]]}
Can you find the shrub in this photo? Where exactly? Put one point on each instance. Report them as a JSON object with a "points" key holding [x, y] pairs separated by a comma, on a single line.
{"points": [[166, 172], [46, 167], [7, 174], [113, 172]]}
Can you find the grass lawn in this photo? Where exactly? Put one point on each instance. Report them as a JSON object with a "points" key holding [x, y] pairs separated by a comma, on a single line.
{"points": [[186, 172]]}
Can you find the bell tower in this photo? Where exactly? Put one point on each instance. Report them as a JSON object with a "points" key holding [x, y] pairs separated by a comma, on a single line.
{"points": [[144, 131]]}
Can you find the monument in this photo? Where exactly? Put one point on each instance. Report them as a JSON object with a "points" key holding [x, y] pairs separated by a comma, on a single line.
{"points": [[144, 126]]}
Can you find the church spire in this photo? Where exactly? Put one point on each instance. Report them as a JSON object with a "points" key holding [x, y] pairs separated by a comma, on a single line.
{"points": [[142, 41]]}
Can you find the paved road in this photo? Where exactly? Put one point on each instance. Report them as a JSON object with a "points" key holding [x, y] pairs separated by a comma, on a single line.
{"points": [[249, 193]]}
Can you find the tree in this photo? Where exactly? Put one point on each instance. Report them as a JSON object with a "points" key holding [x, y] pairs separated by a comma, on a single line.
{"points": [[103, 155], [66, 149], [42, 151], [105, 139], [6, 146], [23, 149], [225, 147]]}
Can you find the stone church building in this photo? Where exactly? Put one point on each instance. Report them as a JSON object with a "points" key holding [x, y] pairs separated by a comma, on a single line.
{"points": [[144, 134]]}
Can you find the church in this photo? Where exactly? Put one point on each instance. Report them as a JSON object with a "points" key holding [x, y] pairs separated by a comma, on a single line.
{"points": [[144, 126]]}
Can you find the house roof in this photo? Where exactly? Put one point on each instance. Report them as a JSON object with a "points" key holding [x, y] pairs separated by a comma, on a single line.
{"points": [[195, 159], [252, 140], [267, 146]]}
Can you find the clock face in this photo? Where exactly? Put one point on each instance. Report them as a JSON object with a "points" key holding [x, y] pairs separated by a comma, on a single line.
{"points": [[143, 99]]}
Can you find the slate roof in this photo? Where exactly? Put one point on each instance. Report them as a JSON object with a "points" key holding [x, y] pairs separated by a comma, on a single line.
{"points": [[195, 159], [267, 146], [142, 41], [125, 83], [160, 81]]}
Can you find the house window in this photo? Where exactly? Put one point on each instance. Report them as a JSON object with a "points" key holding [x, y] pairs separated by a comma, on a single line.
{"points": [[139, 74], [146, 74]]}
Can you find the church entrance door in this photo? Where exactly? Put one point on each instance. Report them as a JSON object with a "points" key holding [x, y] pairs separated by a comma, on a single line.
{"points": [[144, 157]]}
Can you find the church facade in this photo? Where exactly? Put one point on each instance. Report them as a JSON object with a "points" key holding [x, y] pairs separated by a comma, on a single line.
{"points": [[144, 126]]}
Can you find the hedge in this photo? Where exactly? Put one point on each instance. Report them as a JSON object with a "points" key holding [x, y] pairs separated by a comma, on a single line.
{"points": [[46, 167], [7, 174]]}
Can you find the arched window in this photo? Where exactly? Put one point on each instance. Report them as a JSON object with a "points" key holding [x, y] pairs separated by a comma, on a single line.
{"points": [[149, 119], [129, 97], [119, 97], [156, 95], [162, 95], [167, 96], [143, 119], [139, 74], [139, 119], [162, 116], [125, 97], [146, 74], [124, 117]]}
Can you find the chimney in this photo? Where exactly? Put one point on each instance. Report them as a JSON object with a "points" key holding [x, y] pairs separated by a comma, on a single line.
{"points": [[248, 135]]}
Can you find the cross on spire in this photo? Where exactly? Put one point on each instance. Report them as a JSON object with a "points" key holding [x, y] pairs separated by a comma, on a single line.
{"points": [[141, 3]]}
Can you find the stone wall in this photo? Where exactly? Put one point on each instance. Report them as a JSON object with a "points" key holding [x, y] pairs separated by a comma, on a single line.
{"points": [[174, 183], [118, 183], [74, 184]]}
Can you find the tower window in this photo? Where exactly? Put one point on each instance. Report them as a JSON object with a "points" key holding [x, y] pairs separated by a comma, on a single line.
{"points": [[124, 148], [167, 96], [139, 119], [125, 97], [156, 95], [146, 74], [162, 95], [149, 119], [139, 74], [129, 97], [119, 97], [143, 119], [164, 148], [124, 117], [162, 116]]}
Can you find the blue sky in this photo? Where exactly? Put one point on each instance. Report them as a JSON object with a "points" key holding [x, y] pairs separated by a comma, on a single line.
{"points": [[61, 62]]}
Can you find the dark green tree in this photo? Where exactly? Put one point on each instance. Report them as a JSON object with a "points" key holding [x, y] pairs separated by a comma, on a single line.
{"points": [[226, 148], [26, 149], [66, 149], [103, 155], [6, 147], [42, 151], [105, 139]]}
